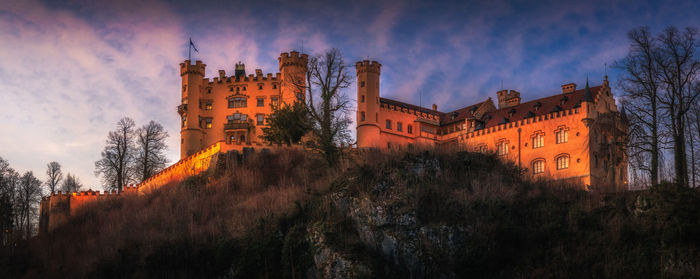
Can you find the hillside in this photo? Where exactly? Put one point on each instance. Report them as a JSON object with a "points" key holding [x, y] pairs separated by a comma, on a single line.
{"points": [[412, 214]]}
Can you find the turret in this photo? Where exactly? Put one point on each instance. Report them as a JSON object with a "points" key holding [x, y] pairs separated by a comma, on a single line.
{"points": [[508, 99], [240, 69], [368, 103], [587, 105], [293, 73], [191, 136]]}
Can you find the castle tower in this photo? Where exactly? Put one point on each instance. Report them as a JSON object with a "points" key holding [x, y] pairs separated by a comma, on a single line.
{"points": [[293, 76], [508, 99], [368, 103], [191, 135]]}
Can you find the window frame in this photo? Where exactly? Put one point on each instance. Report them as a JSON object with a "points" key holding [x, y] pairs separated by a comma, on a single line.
{"points": [[562, 161]]}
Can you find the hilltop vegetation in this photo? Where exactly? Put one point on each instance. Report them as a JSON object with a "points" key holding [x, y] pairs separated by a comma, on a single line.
{"points": [[419, 213]]}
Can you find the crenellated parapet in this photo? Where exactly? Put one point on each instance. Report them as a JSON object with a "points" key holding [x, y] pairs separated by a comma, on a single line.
{"points": [[293, 58], [187, 68], [367, 66]]}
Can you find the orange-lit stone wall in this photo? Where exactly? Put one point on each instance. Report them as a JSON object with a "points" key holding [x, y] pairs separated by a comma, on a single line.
{"points": [[208, 104], [58, 207], [593, 158]]}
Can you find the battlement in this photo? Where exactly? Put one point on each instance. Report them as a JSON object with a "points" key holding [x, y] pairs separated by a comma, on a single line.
{"points": [[187, 68], [254, 78], [368, 66], [293, 58]]}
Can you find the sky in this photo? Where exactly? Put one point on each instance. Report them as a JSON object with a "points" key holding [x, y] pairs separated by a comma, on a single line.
{"points": [[69, 70]]}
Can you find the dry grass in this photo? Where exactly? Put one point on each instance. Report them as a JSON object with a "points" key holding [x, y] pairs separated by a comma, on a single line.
{"points": [[238, 217]]}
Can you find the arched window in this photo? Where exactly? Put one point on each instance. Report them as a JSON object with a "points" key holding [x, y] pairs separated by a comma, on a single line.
{"points": [[237, 102], [562, 162], [562, 134], [538, 166], [502, 148], [538, 140]]}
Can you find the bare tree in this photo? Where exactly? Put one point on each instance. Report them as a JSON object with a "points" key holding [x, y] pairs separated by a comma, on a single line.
{"points": [[118, 155], [640, 83], [150, 145], [71, 184], [54, 174], [327, 77], [678, 66], [7, 205], [29, 195]]}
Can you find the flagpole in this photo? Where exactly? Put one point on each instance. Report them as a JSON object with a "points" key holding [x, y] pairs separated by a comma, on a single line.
{"points": [[189, 51]]}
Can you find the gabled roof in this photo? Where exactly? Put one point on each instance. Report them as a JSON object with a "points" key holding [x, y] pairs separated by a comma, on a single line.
{"points": [[548, 105], [459, 115], [510, 114]]}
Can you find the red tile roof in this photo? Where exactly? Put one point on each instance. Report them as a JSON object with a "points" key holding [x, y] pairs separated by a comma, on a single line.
{"points": [[547, 105]]}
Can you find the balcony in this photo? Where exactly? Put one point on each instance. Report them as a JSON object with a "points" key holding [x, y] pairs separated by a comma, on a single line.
{"points": [[236, 126], [181, 109]]}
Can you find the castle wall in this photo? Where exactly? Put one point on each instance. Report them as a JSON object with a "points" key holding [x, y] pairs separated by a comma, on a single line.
{"points": [[520, 135]]}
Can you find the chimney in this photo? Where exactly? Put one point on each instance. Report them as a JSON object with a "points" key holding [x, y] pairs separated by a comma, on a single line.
{"points": [[568, 88], [434, 107], [222, 74]]}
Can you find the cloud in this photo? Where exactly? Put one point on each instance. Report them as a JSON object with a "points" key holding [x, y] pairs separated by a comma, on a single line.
{"points": [[68, 80]]}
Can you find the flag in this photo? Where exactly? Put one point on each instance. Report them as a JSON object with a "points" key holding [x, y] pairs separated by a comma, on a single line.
{"points": [[194, 47]]}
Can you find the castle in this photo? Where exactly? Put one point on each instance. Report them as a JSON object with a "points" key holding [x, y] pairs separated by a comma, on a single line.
{"points": [[576, 135], [234, 108]]}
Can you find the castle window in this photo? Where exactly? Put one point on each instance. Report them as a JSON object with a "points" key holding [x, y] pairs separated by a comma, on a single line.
{"points": [[243, 88], [362, 116], [538, 141], [238, 89], [563, 162], [538, 166], [409, 129], [259, 87], [261, 119], [388, 124], [562, 136], [209, 90], [362, 84], [362, 99], [184, 88], [237, 102], [274, 101], [207, 123], [274, 86], [208, 106], [261, 102], [230, 89], [184, 121], [502, 148], [482, 148], [399, 126], [237, 117]]}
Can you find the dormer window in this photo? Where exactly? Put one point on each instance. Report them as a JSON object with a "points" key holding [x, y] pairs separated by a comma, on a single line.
{"points": [[454, 115], [537, 106], [511, 112], [563, 100]]}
